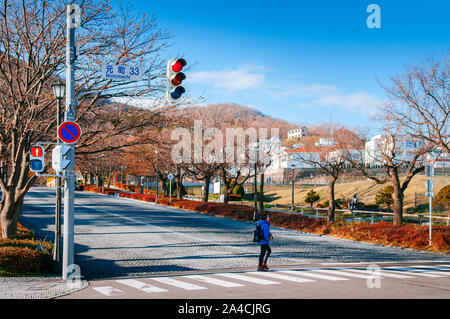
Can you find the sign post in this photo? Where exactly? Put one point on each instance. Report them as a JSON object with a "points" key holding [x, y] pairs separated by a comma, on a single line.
{"points": [[73, 22], [429, 171]]}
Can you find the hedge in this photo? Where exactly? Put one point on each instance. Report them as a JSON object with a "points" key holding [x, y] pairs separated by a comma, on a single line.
{"points": [[24, 261], [25, 255]]}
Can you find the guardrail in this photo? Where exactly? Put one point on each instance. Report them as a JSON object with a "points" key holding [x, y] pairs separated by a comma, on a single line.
{"points": [[347, 214]]}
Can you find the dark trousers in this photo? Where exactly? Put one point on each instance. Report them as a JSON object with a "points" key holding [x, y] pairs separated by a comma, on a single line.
{"points": [[265, 253]]}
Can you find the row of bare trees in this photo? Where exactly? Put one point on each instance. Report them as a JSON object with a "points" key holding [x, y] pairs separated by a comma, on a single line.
{"points": [[32, 57]]}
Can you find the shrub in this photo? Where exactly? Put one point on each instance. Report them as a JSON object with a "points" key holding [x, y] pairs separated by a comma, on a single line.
{"points": [[384, 197], [443, 197], [23, 260], [312, 197], [239, 190]]}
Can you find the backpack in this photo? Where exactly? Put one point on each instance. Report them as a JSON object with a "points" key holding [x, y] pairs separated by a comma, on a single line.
{"points": [[257, 234]]}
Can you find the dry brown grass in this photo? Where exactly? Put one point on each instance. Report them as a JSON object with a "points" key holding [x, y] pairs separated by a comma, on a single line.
{"points": [[365, 191]]}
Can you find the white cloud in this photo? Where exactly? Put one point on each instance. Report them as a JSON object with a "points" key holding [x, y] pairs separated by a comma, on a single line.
{"points": [[359, 101], [238, 79], [302, 90]]}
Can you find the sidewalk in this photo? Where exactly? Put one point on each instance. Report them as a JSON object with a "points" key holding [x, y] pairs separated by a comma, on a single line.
{"points": [[37, 287]]}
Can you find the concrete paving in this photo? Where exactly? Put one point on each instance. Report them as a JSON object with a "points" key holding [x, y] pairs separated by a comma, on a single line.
{"points": [[117, 237]]}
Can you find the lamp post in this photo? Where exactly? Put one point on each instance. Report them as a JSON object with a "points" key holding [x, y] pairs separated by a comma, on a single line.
{"points": [[103, 172], [156, 172], [293, 179], [59, 90], [255, 212]]}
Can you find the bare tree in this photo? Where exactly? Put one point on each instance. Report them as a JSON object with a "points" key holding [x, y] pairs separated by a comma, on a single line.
{"points": [[32, 46], [329, 158], [419, 102], [396, 161]]}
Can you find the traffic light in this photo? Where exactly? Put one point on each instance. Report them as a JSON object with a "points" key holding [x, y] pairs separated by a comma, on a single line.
{"points": [[59, 157], [37, 161], [175, 77]]}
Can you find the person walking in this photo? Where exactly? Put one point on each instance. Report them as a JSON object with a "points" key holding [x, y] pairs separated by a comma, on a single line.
{"points": [[264, 226]]}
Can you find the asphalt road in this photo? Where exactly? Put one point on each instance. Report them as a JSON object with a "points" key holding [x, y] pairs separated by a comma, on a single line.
{"points": [[124, 247]]}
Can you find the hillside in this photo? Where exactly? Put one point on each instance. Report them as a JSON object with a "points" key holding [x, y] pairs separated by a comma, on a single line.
{"points": [[365, 190], [233, 115]]}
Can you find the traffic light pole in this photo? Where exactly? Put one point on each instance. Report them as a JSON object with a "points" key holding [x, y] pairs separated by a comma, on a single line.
{"points": [[57, 251], [69, 173]]}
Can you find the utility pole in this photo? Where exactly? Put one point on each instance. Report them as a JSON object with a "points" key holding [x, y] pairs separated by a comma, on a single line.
{"points": [[73, 21]]}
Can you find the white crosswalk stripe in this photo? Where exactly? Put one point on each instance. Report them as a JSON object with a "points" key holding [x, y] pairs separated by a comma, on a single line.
{"points": [[178, 283], [280, 276], [214, 281], [341, 272], [446, 270], [382, 273], [243, 279], [109, 291], [313, 275], [411, 271], [249, 279], [141, 285]]}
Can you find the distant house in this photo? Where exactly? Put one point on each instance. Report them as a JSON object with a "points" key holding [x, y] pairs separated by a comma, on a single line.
{"points": [[405, 149], [287, 159], [297, 133]]}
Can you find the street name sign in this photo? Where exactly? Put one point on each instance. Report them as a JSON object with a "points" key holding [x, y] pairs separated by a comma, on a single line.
{"points": [[69, 132], [122, 72]]}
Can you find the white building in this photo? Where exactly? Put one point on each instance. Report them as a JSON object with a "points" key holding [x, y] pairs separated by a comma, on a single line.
{"points": [[355, 155], [297, 133], [287, 159], [405, 149]]}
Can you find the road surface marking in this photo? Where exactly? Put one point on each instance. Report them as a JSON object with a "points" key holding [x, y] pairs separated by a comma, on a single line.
{"points": [[386, 262], [280, 276], [341, 272], [109, 291], [214, 281], [446, 270], [178, 283], [140, 285], [249, 279], [411, 271], [309, 274], [381, 272], [430, 270]]}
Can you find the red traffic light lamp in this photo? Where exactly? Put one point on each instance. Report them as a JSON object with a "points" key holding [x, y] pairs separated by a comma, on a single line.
{"points": [[178, 65], [37, 159]]}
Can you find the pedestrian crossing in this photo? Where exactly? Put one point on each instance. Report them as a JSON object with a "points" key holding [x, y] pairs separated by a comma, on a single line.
{"points": [[162, 285]]}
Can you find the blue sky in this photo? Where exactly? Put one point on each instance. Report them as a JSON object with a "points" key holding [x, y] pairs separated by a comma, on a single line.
{"points": [[307, 62]]}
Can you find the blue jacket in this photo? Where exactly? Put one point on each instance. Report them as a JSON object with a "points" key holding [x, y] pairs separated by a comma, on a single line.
{"points": [[265, 225]]}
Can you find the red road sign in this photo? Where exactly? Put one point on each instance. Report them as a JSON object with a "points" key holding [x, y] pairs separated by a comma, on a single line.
{"points": [[69, 132]]}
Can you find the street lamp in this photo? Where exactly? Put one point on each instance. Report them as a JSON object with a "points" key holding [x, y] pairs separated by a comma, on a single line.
{"points": [[156, 172], [59, 90], [146, 179], [255, 212], [293, 177]]}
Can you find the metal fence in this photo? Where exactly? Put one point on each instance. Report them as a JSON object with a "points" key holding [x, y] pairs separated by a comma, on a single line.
{"points": [[350, 215]]}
